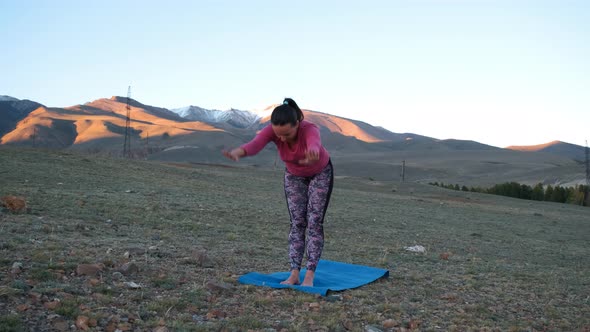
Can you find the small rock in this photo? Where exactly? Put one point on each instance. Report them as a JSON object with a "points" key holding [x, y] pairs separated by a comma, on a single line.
{"points": [[52, 305], [132, 285], [445, 256], [413, 324], [93, 282], [118, 275], [22, 307], [14, 204], [334, 298], [60, 324], [389, 323], [416, 248], [215, 286], [135, 251], [82, 323], [203, 259], [348, 325], [160, 329], [370, 328], [17, 267], [112, 324], [216, 313], [128, 268], [124, 327], [449, 296], [34, 297], [89, 269]]}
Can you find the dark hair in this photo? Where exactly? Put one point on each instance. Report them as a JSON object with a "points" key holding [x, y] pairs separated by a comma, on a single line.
{"points": [[287, 112]]}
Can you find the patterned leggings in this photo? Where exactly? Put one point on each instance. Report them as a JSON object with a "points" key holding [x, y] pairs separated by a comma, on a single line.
{"points": [[307, 200]]}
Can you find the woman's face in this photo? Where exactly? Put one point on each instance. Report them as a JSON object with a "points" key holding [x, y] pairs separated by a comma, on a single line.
{"points": [[287, 132]]}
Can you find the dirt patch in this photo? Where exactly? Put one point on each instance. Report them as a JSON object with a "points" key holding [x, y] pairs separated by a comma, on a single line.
{"points": [[14, 204]]}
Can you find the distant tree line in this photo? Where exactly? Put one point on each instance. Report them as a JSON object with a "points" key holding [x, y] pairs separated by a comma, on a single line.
{"points": [[570, 195]]}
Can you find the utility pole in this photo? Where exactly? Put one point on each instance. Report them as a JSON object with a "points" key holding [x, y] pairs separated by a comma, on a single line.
{"points": [[587, 191], [127, 144], [403, 175]]}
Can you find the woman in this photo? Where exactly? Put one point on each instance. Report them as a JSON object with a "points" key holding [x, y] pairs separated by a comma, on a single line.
{"points": [[309, 179]]}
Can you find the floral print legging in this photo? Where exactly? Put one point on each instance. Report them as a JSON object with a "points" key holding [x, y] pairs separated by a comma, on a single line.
{"points": [[307, 200]]}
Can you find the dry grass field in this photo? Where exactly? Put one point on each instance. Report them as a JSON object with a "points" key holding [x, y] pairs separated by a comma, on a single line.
{"points": [[110, 244]]}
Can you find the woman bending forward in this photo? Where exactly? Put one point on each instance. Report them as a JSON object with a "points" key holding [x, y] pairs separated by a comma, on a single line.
{"points": [[309, 179]]}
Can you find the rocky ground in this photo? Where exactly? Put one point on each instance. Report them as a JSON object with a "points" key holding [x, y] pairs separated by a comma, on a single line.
{"points": [[107, 245]]}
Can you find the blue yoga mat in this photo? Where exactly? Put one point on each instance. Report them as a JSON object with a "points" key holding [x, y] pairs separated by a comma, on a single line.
{"points": [[329, 276]]}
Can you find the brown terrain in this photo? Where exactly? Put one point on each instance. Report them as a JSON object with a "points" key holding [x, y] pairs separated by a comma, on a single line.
{"points": [[97, 243], [357, 148]]}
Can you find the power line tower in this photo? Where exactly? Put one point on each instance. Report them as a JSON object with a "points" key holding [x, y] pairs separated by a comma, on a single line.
{"points": [[127, 144], [587, 191]]}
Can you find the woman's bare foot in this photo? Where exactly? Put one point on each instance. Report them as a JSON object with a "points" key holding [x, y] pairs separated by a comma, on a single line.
{"points": [[293, 278], [308, 280]]}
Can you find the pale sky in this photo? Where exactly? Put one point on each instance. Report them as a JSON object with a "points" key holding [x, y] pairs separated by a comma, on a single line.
{"points": [[505, 72]]}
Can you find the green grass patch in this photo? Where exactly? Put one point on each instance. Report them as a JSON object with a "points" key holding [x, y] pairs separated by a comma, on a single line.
{"points": [[165, 283], [68, 308], [11, 323], [245, 322], [42, 274]]}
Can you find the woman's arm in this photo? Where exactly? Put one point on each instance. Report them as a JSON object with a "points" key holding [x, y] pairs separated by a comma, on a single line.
{"points": [[314, 145], [253, 147], [259, 142]]}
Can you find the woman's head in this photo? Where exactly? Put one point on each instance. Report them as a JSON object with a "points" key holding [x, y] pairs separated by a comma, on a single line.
{"points": [[285, 120], [286, 113]]}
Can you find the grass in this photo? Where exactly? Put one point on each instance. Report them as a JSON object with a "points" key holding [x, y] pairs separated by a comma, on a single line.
{"points": [[68, 308], [11, 323], [512, 264]]}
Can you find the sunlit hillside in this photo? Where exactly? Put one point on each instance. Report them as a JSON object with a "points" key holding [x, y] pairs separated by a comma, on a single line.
{"points": [[537, 147], [356, 148], [573, 151], [100, 119]]}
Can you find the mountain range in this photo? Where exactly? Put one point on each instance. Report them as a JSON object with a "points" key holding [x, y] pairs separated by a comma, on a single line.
{"points": [[195, 134]]}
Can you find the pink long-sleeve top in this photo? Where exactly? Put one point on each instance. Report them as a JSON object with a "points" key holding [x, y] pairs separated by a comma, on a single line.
{"points": [[308, 139]]}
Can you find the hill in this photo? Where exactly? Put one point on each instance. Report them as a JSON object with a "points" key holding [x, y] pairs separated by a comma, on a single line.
{"points": [[98, 125], [560, 148], [141, 245], [12, 111], [196, 135]]}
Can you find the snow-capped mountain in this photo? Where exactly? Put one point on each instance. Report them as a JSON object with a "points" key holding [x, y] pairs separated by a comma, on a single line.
{"points": [[19, 105], [234, 117]]}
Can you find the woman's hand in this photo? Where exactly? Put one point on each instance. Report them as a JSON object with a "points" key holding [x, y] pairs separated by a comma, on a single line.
{"points": [[234, 154], [310, 157]]}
